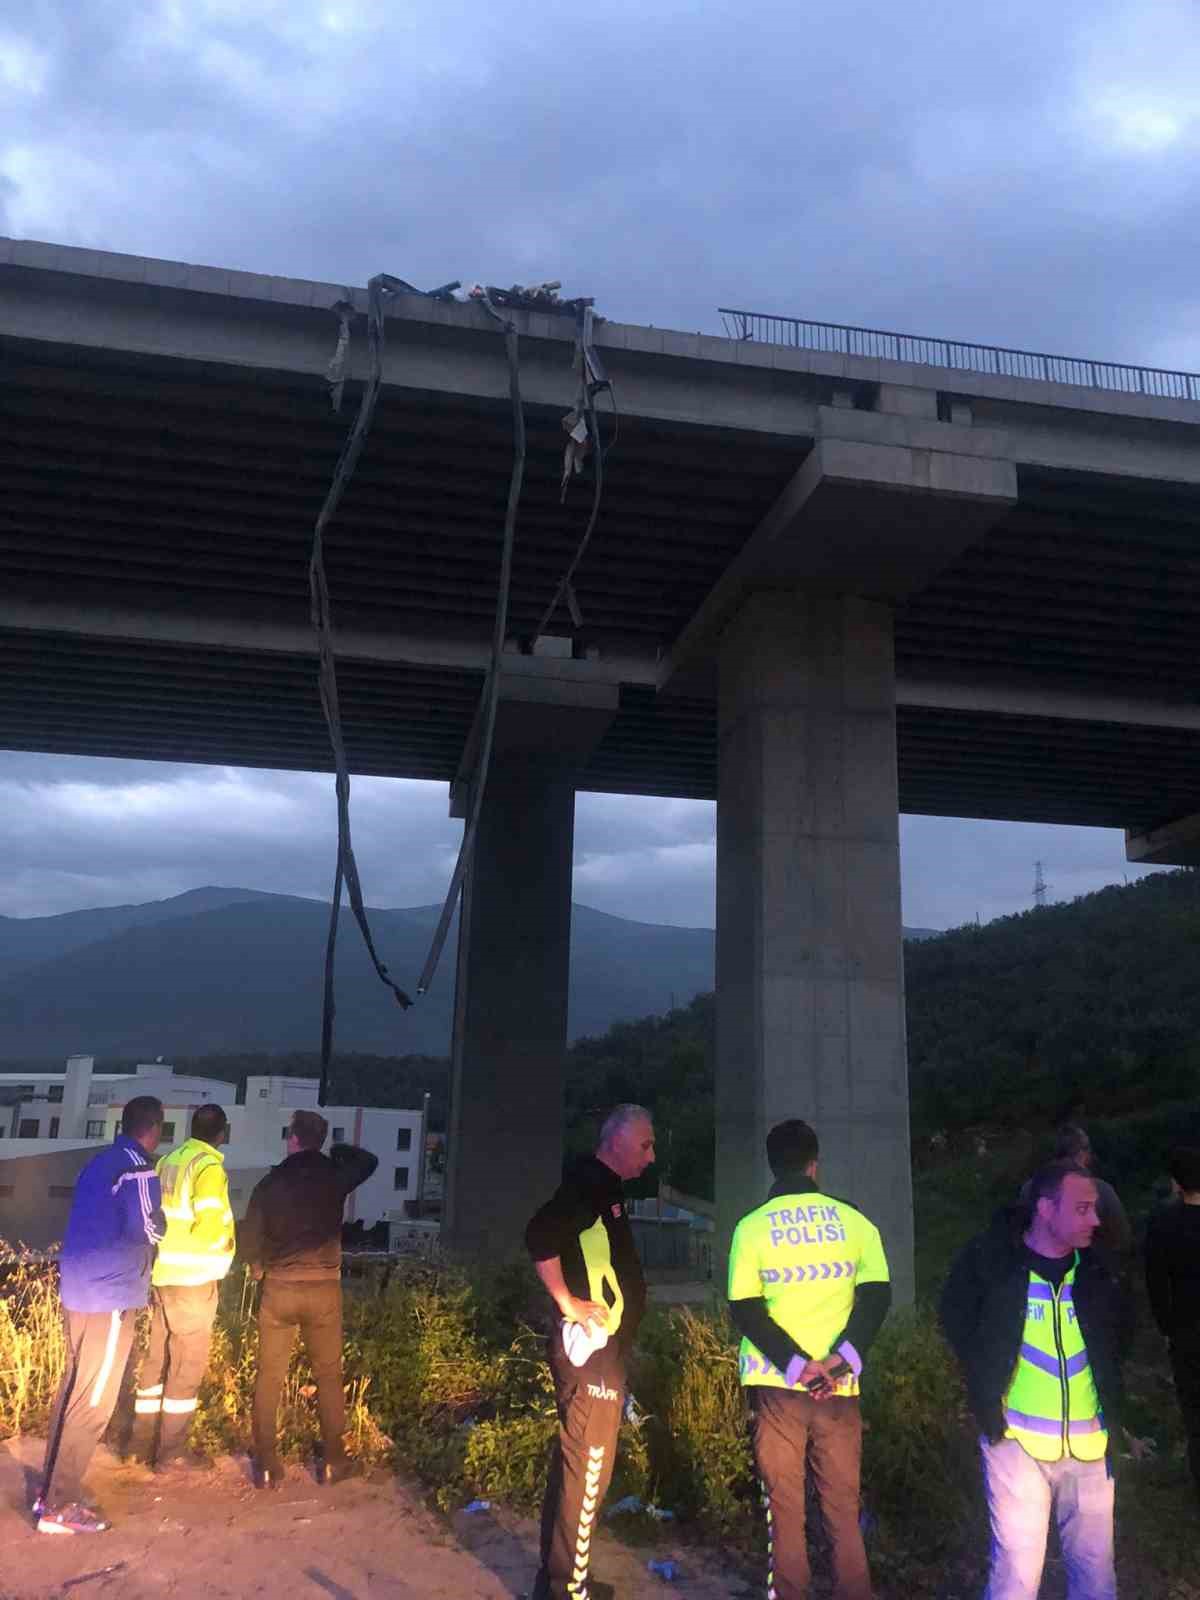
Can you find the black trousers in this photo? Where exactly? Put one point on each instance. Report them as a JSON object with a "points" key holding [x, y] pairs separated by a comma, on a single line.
{"points": [[1185, 1364], [314, 1308], [590, 1401], [181, 1323], [98, 1346], [792, 1432]]}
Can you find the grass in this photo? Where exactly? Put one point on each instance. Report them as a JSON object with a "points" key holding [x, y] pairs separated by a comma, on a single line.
{"points": [[445, 1379]]}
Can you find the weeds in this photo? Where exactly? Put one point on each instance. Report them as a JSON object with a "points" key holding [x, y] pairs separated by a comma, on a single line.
{"points": [[32, 1348], [446, 1378]]}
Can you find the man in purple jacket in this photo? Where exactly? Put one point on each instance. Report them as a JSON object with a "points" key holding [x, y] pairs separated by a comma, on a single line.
{"points": [[116, 1223]]}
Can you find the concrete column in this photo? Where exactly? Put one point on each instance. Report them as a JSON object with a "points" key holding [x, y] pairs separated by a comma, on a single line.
{"points": [[514, 945], [810, 979], [510, 1019]]}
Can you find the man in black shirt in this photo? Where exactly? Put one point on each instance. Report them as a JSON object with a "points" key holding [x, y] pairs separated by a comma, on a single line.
{"points": [[292, 1238], [1173, 1282], [583, 1250]]}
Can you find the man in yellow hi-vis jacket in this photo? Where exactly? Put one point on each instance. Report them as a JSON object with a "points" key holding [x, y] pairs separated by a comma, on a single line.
{"points": [[808, 1292], [194, 1256]]}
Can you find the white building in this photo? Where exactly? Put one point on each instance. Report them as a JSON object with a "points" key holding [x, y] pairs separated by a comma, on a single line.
{"points": [[50, 1114]]}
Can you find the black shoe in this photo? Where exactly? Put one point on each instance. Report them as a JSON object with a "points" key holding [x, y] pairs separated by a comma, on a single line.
{"points": [[268, 1477], [331, 1472]]}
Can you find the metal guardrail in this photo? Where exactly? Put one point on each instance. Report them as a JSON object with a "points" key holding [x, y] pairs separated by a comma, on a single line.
{"points": [[836, 339]]}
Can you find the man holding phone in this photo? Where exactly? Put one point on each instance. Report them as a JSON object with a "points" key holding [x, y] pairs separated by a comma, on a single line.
{"points": [[808, 1292]]}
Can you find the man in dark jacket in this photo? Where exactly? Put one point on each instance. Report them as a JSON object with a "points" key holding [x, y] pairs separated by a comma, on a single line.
{"points": [[1173, 1284], [583, 1251], [1041, 1326], [116, 1223], [292, 1238]]}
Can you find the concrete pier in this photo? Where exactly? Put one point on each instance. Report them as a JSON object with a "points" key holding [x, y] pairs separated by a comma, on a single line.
{"points": [[510, 1015], [810, 978]]}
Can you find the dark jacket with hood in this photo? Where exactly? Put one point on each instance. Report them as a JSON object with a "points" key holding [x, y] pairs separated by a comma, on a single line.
{"points": [[983, 1308], [293, 1224]]}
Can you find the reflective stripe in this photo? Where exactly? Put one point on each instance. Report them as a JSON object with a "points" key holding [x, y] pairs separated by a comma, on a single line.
{"points": [[147, 1407], [1022, 1419], [1043, 1362], [110, 1355], [213, 1204], [178, 1408], [1077, 1363], [195, 1258]]}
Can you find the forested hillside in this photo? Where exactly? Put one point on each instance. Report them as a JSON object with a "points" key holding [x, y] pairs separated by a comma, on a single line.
{"points": [[1094, 1002]]}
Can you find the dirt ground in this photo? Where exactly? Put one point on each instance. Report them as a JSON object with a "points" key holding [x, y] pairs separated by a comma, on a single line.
{"points": [[211, 1533]]}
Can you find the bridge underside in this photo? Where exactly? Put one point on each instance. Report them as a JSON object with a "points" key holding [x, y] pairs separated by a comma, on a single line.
{"points": [[157, 523]]}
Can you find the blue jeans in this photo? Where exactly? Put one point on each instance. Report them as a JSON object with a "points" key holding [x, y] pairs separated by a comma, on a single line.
{"points": [[1021, 1494]]}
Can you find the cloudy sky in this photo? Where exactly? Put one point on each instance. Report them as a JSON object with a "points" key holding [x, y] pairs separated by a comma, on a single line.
{"points": [[1022, 174]]}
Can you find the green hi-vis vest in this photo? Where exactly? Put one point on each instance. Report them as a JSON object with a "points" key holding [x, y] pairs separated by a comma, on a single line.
{"points": [[198, 1246], [1052, 1408], [601, 1274], [804, 1254]]}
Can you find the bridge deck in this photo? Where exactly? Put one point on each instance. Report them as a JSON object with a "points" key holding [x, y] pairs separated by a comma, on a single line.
{"points": [[166, 439]]}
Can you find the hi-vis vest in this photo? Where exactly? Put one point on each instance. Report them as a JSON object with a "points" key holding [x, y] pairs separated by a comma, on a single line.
{"points": [[1052, 1408], [804, 1254], [601, 1274], [198, 1247]]}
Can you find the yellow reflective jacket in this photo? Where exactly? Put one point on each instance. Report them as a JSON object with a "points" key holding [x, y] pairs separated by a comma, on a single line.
{"points": [[1051, 1407], [198, 1247], [806, 1254]]}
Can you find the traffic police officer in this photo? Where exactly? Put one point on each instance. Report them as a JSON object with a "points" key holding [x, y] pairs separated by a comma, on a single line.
{"points": [[808, 1292], [193, 1258]]}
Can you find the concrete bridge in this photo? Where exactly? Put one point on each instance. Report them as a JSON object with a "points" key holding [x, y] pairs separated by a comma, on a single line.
{"points": [[824, 588]]}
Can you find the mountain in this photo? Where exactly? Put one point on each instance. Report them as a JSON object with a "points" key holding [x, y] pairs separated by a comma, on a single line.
{"points": [[223, 970], [229, 970], [28, 941]]}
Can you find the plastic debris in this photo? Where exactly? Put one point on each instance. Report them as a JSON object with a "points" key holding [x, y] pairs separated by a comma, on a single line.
{"points": [[477, 1506], [631, 1503], [660, 1513], [633, 1416], [668, 1571]]}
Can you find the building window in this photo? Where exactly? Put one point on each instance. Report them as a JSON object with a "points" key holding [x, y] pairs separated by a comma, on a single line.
{"points": [[168, 1133], [28, 1128], [284, 1133], [403, 1138], [400, 1178], [339, 1136], [54, 1122], [61, 1191], [95, 1130], [24, 1089], [263, 1094], [54, 1094]]}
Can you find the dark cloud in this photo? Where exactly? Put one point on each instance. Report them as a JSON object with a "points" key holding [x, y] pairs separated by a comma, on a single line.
{"points": [[1019, 174], [79, 832]]}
